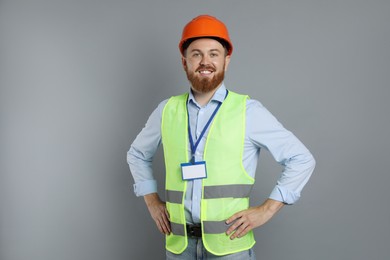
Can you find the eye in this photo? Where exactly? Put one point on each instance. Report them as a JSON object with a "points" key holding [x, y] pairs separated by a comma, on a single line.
{"points": [[213, 54], [196, 54]]}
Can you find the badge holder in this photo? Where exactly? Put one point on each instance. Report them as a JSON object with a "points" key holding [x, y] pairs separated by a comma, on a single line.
{"points": [[193, 171]]}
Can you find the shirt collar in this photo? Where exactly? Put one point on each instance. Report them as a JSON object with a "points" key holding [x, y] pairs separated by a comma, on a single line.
{"points": [[219, 95]]}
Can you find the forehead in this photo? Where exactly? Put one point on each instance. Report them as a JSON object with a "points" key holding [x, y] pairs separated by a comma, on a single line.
{"points": [[205, 44]]}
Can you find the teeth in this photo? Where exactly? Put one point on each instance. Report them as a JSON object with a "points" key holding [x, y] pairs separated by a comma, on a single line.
{"points": [[205, 72]]}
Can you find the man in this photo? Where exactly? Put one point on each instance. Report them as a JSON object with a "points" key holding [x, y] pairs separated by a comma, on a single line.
{"points": [[211, 139]]}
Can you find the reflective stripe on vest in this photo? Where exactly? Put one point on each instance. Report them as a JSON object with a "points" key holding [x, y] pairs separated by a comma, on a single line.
{"points": [[227, 191], [213, 192], [173, 196]]}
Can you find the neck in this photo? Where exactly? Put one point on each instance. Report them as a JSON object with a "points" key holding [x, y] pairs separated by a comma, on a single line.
{"points": [[203, 98]]}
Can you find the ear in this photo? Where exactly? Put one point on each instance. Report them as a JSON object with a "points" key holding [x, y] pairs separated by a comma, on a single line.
{"points": [[227, 61], [184, 63]]}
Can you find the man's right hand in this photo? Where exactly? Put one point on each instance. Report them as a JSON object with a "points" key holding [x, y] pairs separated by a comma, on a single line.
{"points": [[159, 212]]}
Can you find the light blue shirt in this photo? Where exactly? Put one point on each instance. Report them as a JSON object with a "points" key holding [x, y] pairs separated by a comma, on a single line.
{"points": [[263, 131]]}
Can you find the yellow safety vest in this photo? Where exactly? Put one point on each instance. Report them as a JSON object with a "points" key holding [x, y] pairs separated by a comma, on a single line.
{"points": [[227, 187]]}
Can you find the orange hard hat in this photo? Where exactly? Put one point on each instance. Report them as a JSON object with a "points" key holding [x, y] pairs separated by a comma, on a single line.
{"points": [[206, 26]]}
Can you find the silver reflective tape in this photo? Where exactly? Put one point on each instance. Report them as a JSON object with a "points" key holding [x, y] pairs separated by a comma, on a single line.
{"points": [[174, 196], [228, 191], [178, 229], [215, 227]]}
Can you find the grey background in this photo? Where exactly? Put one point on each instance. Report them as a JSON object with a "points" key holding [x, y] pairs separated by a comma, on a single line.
{"points": [[79, 79]]}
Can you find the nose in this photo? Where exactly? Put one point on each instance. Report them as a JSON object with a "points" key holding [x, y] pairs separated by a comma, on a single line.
{"points": [[205, 60]]}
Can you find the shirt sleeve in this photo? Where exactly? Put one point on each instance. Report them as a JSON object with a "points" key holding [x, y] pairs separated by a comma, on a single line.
{"points": [[141, 153], [266, 132]]}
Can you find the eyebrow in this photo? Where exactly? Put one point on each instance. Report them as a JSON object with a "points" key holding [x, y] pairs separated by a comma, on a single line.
{"points": [[198, 50]]}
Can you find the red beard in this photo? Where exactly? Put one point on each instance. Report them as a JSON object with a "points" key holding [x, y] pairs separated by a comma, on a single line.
{"points": [[205, 85]]}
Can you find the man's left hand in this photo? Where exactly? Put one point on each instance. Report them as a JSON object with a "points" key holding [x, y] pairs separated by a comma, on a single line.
{"points": [[246, 220]]}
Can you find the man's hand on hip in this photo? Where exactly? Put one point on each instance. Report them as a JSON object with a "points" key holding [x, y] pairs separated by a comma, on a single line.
{"points": [[159, 212], [246, 220]]}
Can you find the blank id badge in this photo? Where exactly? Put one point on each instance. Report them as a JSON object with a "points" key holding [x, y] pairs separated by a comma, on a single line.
{"points": [[193, 171]]}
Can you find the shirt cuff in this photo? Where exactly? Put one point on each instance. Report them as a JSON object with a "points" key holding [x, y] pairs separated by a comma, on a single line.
{"points": [[145, 187], [282, 194]]}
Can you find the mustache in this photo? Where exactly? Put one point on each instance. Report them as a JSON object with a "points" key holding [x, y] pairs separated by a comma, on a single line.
{"points": [[205, 67]]}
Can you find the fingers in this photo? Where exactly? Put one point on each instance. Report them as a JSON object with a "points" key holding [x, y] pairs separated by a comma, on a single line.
{"points": [[161, 217], [164, 223], [234, 221], [159, 212], [240, 225], [241, 231]]}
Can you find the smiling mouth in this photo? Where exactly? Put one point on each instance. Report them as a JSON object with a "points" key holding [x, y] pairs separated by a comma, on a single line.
{"points": [[205, 72]]}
